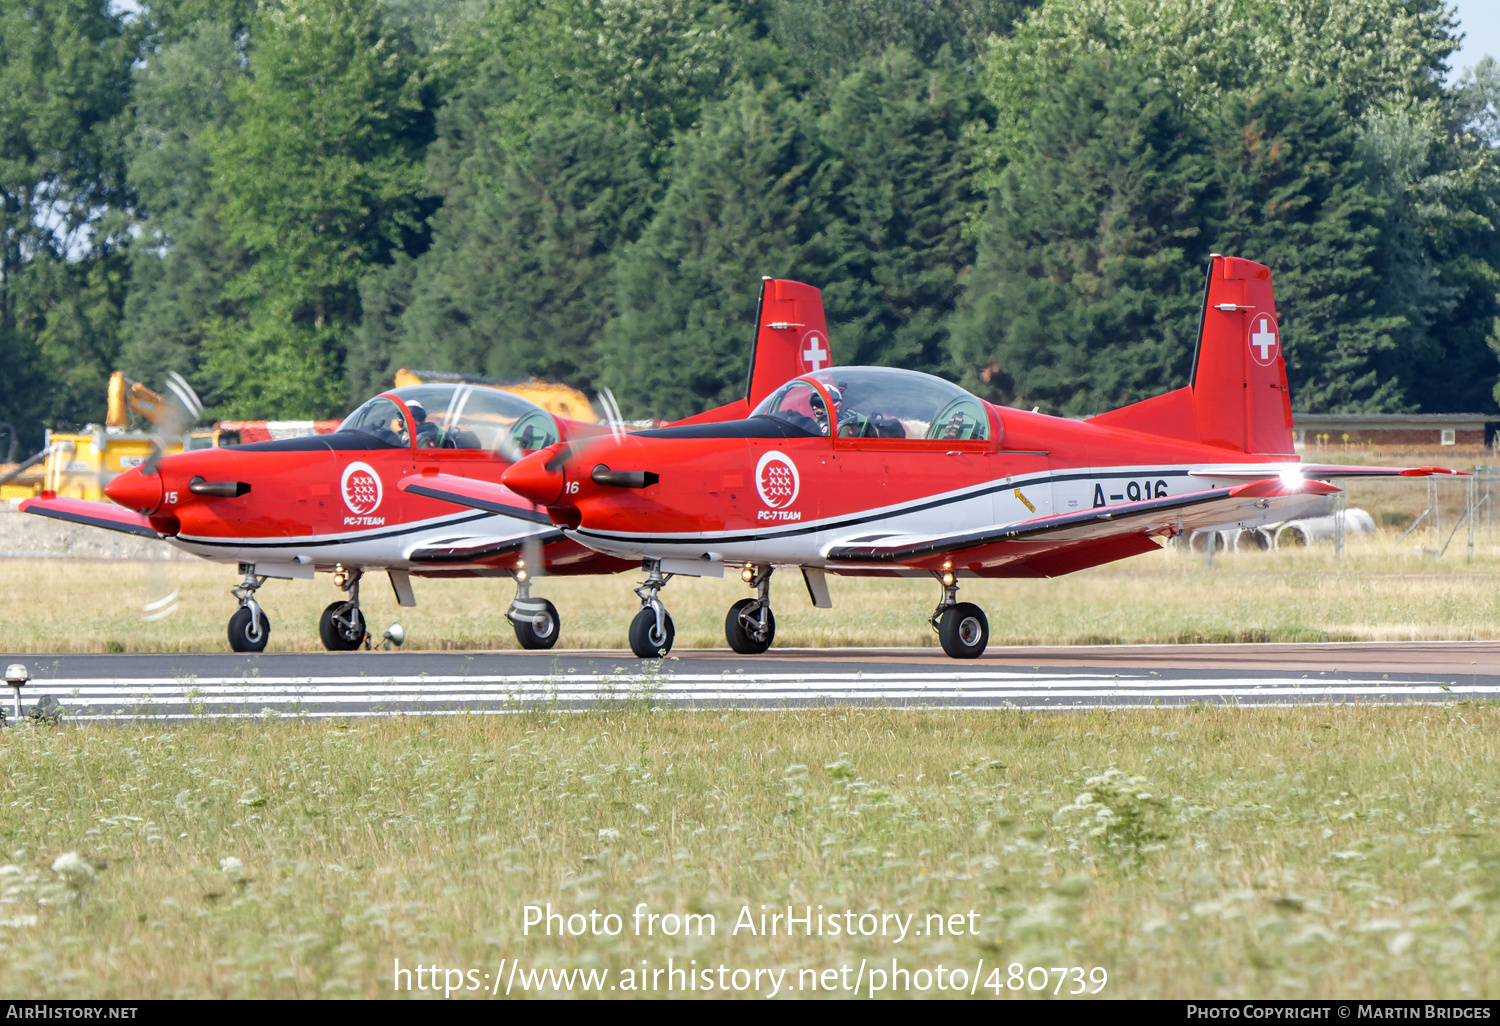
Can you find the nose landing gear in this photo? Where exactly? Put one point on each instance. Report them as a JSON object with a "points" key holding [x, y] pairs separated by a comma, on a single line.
{"points": [[651, 631], [249, 628], [751, 626], [535, 620], [961, 626], [342, 625]]}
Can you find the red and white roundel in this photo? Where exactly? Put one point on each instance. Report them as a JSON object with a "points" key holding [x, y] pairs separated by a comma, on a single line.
{"points": [[813, 352], [361, 488], [1264, 339], [777, 481]]}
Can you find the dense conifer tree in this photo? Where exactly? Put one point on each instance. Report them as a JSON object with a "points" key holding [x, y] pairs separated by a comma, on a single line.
{"points": [[898, 192], [1295, 198], [181, 262], [64, 91], [319, 177], [1083, 295], [744, 201], [518, 281]]}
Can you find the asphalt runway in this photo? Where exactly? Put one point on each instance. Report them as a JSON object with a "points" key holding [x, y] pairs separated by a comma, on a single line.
{"points": [[194, 685]]}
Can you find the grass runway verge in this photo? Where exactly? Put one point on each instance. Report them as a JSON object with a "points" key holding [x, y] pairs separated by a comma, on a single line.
{"points": [[1204, 852], [1376, 593]]}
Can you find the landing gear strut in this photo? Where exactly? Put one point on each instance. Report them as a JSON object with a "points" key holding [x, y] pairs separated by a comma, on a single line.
{"points": [[249, 628], [651, 631], [535, 620], [961, 626], [342, 625], [750, 625]]}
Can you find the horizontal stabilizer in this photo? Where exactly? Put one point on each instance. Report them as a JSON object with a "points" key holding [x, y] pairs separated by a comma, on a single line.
{"points": [[95, 514], [1312, 471], [485, 495]]}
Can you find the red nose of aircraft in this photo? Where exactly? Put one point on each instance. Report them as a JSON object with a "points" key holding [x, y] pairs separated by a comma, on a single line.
{"points": [[136, 490], [532, 478]]}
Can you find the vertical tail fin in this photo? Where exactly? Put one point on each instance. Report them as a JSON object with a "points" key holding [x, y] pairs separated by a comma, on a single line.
{"points": [[791, 338], [1238, 398]]}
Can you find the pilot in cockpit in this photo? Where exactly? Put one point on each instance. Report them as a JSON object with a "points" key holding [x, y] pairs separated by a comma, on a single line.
{"points": [[429, 435]]}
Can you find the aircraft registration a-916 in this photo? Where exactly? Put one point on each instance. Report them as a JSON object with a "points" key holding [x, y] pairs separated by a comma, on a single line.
{"points": [[878, 471], [376, 494]]}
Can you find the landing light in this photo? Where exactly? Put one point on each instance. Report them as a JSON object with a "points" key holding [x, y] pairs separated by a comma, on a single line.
{"points": [[1291, 478], [520, 575], [339, 579], [948, 578], [16, 675], [748, 574]]}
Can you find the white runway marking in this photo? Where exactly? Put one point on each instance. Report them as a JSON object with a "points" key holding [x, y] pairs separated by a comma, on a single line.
{"points": [[294, 696]]}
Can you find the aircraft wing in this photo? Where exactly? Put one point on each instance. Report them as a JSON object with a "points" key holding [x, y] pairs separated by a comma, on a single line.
{"points": [[95, 514], [1314, 471], [485, 495], [473, 550], [1064, 541]]}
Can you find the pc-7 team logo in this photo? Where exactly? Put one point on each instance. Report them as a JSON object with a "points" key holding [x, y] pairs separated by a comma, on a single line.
{"points": [[777, 482], [361, 489]]}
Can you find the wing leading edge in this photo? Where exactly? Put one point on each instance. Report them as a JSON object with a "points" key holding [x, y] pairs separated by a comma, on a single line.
{"points": [[95, 514], [461, 491]]}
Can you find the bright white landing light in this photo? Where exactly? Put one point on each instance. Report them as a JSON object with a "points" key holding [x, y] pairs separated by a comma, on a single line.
{"points": [[1291, 479]]}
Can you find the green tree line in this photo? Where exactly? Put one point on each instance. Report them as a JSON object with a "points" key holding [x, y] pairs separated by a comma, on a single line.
{"points": [[286, 200]]}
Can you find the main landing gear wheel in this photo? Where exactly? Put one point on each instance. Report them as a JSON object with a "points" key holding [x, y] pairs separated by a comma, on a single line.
{"points": [[537, 628], [964, 631], [744, 631], [646, 640], [249, 629], [342, 627]]}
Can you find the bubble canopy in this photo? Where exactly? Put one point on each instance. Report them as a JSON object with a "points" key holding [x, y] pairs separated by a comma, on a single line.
{"points": [[879, 402], [454, 416]]}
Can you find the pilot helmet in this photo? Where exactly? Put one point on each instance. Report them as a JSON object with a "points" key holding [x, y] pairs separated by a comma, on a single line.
{"points": [[418, 411]]}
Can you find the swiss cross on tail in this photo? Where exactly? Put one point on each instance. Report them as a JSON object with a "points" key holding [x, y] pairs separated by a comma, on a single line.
{"points": [[813, 352], [1265, 339]]}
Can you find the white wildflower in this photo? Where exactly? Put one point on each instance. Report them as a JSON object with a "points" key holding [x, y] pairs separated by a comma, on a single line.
{"points": [[75, 872], [609, 834], [232, 867]]}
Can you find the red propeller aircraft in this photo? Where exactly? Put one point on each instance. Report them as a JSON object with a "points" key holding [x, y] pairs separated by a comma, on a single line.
{"points": [[877, 471], [370, 496]]}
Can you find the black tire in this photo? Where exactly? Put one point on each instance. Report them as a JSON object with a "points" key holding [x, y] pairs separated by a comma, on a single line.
{"points": [[336, 636], [644, 641], [964, 631], [242, 638], [740, 639], [533, 634]]}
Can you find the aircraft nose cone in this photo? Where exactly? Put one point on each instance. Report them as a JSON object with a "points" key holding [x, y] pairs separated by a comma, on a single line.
{"points": [[136, 490], [531, 478]]}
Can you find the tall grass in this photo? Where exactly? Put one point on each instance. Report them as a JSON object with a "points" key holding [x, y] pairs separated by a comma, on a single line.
{"points": [[1313, 852], [1377, 592]]}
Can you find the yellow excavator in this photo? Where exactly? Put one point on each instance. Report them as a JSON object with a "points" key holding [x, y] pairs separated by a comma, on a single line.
{"points": [[557, 399], [78, 464]]}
